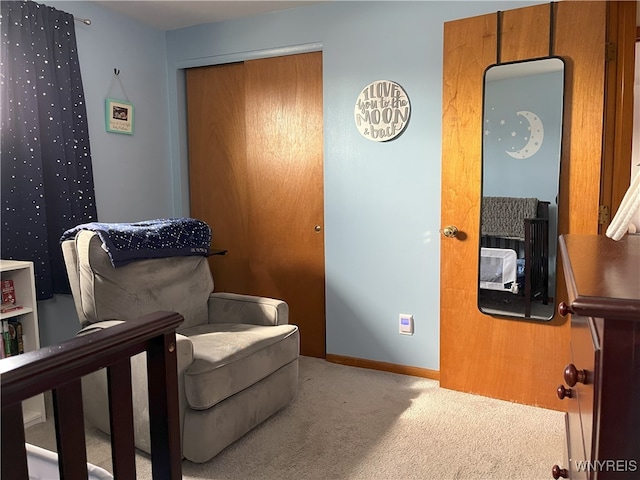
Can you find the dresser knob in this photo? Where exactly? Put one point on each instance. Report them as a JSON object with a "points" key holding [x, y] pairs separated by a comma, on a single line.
{"points": [[572, 375], [558, 472], [564, 309], [564, 392]]}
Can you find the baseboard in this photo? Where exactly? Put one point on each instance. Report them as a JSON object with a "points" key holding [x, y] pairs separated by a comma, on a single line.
{"points": [[384, 366]]}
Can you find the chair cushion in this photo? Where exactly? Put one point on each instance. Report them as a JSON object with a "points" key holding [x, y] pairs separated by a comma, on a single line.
{"points": [[231, 357], [174, 284]]}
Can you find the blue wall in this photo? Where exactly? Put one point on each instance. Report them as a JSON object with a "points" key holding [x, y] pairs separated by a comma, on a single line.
{"points": [[132, 174], [382, 200]]}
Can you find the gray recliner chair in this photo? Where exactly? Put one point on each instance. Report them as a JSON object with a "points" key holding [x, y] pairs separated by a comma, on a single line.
{"points": [[237, 354]]}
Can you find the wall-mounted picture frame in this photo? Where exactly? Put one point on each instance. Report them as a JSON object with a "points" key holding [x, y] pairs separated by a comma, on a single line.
{"points": [[118, 116]]}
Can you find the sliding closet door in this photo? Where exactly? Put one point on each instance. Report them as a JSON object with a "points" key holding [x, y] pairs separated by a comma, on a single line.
{"points": [[256, 176], [284, 156], [218, 168]]}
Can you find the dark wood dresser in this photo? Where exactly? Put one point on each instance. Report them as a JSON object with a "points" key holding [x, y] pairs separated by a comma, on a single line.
{"points": [[602, 384]]}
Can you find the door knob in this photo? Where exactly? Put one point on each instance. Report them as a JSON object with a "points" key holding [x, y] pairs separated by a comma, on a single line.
{"points": [[317, 228], [450, 231]]}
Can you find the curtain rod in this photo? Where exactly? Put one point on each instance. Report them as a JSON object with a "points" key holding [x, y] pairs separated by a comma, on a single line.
{"points": [[86, 21]]}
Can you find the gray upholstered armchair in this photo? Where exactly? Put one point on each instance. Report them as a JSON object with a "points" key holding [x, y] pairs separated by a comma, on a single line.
{"points": [[237, 354]]}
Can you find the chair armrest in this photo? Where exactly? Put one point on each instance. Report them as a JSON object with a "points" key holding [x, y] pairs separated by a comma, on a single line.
{"points": [[96, 405], [184, 346], [236, 308]]}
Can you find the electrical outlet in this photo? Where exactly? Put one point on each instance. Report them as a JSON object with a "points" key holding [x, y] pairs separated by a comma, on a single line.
{"points": [[406, 324]]}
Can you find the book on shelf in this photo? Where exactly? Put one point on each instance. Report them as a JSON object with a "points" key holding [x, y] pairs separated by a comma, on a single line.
{"points": [[8, 292], [12, 339], [18, 342], [8, 297], [6, 340]]}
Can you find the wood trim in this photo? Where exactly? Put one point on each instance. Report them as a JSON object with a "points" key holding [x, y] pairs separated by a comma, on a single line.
{"points": [[618, 119], [384, 366], [582, 142]]}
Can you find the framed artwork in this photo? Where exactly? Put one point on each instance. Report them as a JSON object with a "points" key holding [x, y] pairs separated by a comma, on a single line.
{"points": [[119, 116]]}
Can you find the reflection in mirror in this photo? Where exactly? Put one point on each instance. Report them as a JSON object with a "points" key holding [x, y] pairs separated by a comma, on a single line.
{"points": [[522, 136]]}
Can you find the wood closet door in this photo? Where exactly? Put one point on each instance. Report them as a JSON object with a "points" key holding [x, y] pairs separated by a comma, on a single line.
{"points": [[515, 360], [256, 176]]}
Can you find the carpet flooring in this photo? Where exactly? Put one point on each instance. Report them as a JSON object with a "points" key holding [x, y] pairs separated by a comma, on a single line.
{"points": [[354, 423]]}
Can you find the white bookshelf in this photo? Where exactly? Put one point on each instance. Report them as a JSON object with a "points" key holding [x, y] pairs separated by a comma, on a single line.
{"points": [[21, 272]]}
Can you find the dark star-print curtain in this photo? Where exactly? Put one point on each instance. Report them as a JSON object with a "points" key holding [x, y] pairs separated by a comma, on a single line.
{"points": [[46, 174]]}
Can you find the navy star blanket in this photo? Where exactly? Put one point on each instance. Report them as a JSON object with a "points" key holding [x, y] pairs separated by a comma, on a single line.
{"points": [[165, 237]]}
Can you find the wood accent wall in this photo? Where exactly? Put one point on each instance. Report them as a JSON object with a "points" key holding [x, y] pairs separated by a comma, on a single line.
{"points": [[514, 360]]}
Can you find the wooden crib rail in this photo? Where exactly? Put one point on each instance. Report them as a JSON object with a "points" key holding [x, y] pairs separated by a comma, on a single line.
{"points": [[60, 367]]}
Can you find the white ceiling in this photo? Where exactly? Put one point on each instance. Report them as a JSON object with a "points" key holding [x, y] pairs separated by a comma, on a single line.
{"points": [[171, 14]]}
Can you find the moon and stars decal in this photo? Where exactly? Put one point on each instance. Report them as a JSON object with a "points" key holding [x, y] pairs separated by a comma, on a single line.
{"points": [[521, 135]]}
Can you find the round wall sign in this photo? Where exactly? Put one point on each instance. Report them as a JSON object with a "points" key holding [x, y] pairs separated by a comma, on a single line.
{"points": [[382, 111]]}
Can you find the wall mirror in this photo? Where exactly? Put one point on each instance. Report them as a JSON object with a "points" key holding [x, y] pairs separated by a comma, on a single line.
{"points": [[521, 147]]}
